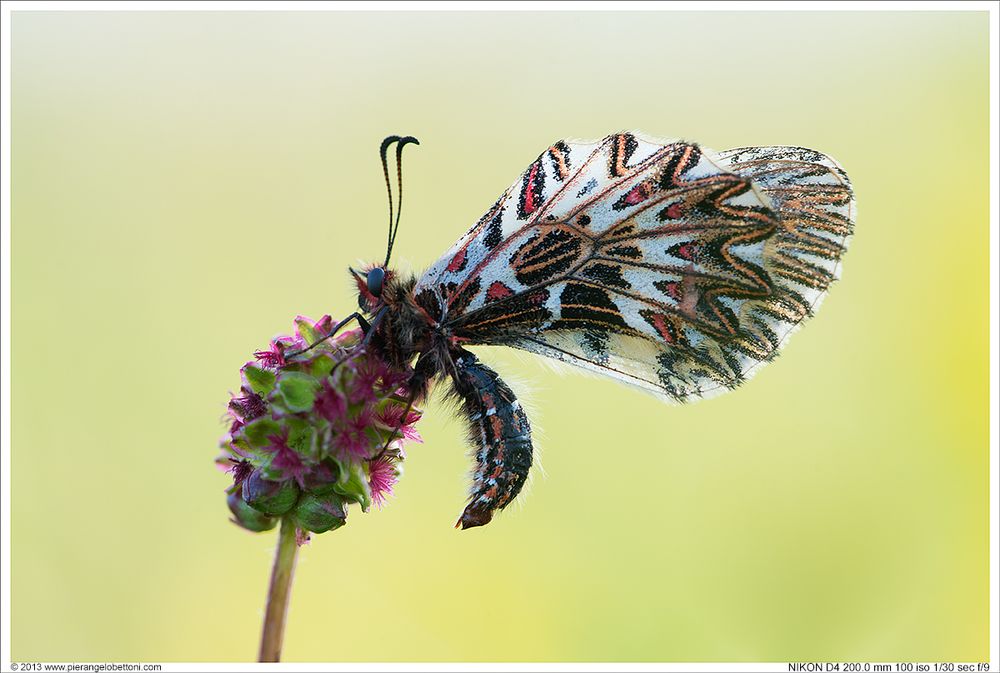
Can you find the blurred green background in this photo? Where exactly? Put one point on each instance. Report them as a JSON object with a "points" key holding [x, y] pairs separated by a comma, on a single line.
{"points": [[183, 184]]}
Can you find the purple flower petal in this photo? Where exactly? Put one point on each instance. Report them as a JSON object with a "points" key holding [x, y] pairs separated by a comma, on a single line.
{"points": [[352, 438], [248, 406], [330, 403], [382, 476], [286, 459], [366, 377], [241, 469], [391, 418]]}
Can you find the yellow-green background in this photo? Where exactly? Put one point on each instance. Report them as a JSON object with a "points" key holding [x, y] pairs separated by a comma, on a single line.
{"points": [[183, 184]]}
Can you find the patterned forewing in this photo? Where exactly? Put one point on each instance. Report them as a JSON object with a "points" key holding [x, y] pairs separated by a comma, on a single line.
{"points": [[661, 264]]}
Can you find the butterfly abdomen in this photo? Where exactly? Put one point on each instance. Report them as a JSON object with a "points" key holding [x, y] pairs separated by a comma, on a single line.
{"points": [[500, 434]]}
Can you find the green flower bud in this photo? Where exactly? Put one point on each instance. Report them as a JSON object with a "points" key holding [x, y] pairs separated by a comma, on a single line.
{"points": [[297, 391], [323, 478], [320, 513], [269, 497], [246, 516], [353, 485]]}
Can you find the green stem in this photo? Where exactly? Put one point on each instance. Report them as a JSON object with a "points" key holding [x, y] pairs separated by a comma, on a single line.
{"points": [[277, 596]]}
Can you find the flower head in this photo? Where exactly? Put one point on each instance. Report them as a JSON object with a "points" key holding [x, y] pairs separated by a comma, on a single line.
{"points": [[383, 473], [241, 469], [286, 462], [353, 435], [272, 358], [247, 407], [331, 403], [402, 420], [314, 431]]}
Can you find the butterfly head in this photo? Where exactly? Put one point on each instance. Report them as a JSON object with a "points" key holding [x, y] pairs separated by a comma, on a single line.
{"points": [[371, 283]]}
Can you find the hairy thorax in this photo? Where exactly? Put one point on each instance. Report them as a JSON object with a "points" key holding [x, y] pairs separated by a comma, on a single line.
{"points": [[407, 329]]}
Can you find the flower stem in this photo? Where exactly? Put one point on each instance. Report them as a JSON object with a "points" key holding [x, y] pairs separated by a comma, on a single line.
{"points": [[277, 596]]}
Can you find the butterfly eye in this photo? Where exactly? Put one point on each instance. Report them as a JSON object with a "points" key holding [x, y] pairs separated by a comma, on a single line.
{"points": [[375, 279]]}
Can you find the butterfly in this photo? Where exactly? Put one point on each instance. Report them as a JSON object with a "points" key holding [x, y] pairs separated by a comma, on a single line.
{"points": [[662, 264]]}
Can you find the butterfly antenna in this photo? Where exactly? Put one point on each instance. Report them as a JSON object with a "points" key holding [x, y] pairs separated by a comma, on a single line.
{"points": [[399, 183], [394, 225], [388, 188]]}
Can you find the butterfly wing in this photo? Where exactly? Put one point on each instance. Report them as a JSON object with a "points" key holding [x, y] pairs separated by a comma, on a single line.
{"points": [[662, 264]]}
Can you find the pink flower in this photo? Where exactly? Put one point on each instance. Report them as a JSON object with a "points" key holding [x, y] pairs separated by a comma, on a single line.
{"points": [[366, 377], [241, 469], [393, 381], [391, 418], [286, 459], [248, 406], [382, 476], [316, 431], [352, 438], [330, 403], [321, 326], [274, 357]]}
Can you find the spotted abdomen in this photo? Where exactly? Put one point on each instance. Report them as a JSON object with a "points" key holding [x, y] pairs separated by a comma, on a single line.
{"points": [[501, 437]]}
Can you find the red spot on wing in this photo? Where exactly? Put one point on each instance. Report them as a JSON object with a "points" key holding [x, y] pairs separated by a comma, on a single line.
{"points": [[538, 298], [497, 291], [687, 251], [457, 262], [529, 192], [673, 290], [638, 194], [673, 211], [663, 327]]}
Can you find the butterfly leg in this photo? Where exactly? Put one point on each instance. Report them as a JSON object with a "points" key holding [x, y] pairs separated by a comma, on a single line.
{"points": [[365, 328], [501, 435]]}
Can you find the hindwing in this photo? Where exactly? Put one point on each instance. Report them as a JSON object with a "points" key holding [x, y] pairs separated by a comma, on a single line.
{"points": [[663, 264]]}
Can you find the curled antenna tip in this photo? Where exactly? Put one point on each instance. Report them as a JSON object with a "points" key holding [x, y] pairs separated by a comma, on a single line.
{"points": [[385, 144]]}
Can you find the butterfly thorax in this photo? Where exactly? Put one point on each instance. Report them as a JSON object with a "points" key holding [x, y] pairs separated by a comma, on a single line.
{"points": [[406, 331]]}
